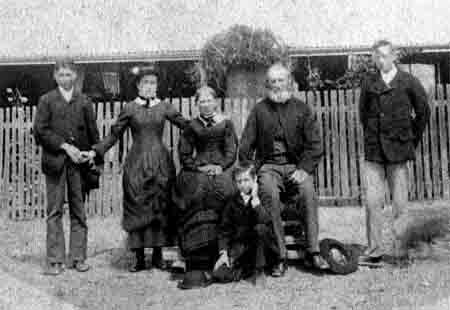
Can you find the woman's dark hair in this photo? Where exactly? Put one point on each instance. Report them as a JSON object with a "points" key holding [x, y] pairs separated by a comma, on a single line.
{"points": [[139, 72], [243, 168], [204, 89]]}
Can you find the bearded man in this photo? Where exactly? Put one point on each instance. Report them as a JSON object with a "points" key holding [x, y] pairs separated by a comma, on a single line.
{"points": [[281, 136]]}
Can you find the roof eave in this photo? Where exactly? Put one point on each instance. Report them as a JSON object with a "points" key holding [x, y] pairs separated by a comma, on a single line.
{"points": [[186, 55]]}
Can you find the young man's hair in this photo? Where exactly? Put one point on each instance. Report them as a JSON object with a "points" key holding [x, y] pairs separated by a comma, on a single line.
{"points": [[65, 64], [380, 43], [243, 168], [206, 89]]}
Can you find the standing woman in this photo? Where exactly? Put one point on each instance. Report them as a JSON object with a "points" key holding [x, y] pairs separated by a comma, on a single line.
{"points": [[148, 172]]}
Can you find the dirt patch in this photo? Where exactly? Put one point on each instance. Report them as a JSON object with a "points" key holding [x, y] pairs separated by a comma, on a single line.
{"points": [[109, 286]]}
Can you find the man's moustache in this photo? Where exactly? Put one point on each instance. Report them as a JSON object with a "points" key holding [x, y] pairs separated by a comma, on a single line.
{"points": [[279, 96]]}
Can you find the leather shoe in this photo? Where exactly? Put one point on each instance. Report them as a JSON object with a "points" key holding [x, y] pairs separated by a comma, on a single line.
{"points": [[80, 266], [319, 262], [367, 259], [54, 269], [157, 259], [259, 279], [279, 270], [139, 266]]}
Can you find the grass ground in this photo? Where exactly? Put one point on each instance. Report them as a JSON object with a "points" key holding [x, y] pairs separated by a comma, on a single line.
{"points": [[109, 286]]}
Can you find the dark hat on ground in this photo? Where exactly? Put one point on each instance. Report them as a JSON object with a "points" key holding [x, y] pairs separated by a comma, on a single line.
{"points": [[341, 258], [224, 274], [195, 279]]}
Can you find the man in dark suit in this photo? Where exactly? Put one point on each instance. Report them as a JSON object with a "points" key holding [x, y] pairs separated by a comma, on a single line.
{"points": [[391, 135], [282, 134], [65, 126]]}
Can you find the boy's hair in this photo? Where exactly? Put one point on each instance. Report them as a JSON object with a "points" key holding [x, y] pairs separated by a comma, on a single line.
{"points": [[380, 43], [243, 168], [65, 64]]}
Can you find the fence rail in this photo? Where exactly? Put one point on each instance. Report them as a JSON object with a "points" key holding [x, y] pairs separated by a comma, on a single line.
{"points": [[338, 177]]}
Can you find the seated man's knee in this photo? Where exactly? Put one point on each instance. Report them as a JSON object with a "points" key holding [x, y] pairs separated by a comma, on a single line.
{"points": [[262, 230], [307, 190], [268, 186]]}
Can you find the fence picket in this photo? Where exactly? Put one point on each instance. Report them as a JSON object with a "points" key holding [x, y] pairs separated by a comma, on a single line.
{"points": [[353, 173], [338, 176], [343, 108], [443, 140], [335, 145], [3, 199], [328, 142], [434, 140], [428, 186]]}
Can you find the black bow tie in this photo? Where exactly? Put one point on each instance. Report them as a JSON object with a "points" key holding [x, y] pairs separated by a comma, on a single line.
{"points": [[208, 121], [147, 100]]}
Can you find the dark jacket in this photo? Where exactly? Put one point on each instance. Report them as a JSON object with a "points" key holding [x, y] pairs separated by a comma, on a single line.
{"points": [[390, 132], [57, 121], [211, 145], [303, 141], [239, 220]]}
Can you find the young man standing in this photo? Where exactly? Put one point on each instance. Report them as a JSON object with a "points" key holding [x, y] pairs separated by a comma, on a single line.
{"points": [[391, 135], [65, 126]]}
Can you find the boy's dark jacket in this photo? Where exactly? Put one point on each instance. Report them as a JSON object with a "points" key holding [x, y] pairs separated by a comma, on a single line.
{"points": [[239, 221], [57, 121], [390, 131]]}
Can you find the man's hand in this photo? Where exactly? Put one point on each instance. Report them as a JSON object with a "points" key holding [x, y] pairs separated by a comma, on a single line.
{"points": [[73, 152], [88, 156], [255, 198], [299, 176], [219, 117], [223, 259], [211, 169]]}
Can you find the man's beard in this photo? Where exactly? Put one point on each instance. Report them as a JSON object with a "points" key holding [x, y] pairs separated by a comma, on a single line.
{"points": [[279, 96]]}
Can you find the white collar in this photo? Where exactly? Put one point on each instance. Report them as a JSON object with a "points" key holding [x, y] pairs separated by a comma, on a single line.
{"points": [[389, 76], [246, 197], [67, 94], [152, 102]]}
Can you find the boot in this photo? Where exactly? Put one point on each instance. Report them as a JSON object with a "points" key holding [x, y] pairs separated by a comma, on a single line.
{"points": [[157, 259], [140, 261]]}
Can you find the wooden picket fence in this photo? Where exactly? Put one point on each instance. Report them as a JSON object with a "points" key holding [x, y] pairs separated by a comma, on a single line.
{"points": [[338, 177]]}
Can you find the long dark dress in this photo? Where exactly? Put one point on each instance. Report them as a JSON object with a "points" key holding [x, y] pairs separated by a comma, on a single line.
{"points": [[201, 198], [148, 172]]}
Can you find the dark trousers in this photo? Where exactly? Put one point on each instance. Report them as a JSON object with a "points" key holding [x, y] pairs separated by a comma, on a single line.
{"points": [[272, 180], [257, 251], [56, 187]]}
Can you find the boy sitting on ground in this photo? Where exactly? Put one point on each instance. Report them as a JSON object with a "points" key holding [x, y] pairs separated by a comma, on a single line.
{"points": [[246, 236]]}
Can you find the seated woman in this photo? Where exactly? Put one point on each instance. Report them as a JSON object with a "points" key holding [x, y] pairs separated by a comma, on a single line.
{"points": [[207, 150]]}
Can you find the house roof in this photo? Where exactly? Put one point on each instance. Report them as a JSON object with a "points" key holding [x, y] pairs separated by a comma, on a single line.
{"points": [[38, 31]]}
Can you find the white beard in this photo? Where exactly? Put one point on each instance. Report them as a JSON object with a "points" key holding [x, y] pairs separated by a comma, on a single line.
{"points": [[279, 96]]}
